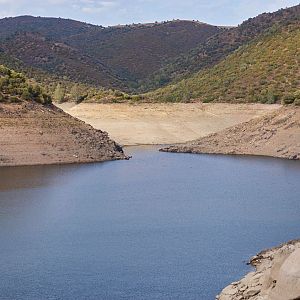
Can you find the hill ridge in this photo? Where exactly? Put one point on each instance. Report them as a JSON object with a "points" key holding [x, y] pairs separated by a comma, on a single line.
{"points": [[217, 47], [265, 70]]}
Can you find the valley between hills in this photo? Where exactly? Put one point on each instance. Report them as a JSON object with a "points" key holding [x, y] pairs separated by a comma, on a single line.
{"points": [[164, 123], [72, 92]]}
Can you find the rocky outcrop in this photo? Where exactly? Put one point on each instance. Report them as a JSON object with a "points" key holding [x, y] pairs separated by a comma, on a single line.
{"points": [[276, 134], [32, 133], [276, 276]]}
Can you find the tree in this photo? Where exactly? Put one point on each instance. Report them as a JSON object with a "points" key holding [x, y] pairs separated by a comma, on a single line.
{"points": [[75, 93], [59, 93]]}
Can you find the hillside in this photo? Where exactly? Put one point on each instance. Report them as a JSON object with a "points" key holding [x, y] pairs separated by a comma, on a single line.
{"points": [[266, 70], [59, 59], [276, 134], [113, 57], [219, 46], [33, 131], [69, 90], [94, 63], [163, 123]]}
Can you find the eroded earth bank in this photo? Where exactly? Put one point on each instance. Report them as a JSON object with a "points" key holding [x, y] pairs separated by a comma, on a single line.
{"points": [[164, 123], [276, 134], [32, 133]]}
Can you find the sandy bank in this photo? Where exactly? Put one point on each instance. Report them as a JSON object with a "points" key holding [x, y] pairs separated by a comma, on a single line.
{"points": [[276, 276], [32, 133], [164, 123], [276, 134]]}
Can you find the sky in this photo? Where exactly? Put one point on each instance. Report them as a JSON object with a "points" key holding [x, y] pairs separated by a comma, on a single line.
{"points": [[114, 12]]}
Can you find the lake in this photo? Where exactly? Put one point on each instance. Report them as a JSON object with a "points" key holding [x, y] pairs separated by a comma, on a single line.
{"points": [[160, 226]]}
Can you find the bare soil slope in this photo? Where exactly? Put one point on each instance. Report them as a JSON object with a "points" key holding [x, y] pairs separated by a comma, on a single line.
{"points": [[32, 133], [276, 134], [154, 123]]}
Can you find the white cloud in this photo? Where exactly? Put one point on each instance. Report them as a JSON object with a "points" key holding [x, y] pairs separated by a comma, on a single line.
{"points": [[109, 12], [96, 7]]}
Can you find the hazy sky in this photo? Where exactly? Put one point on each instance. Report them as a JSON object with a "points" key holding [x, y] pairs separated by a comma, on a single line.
{"points": [[112, 12]]}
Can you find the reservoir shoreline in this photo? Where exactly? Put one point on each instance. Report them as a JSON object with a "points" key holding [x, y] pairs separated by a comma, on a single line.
{"points": [[36, 134], [113, 213], [275, 276]]}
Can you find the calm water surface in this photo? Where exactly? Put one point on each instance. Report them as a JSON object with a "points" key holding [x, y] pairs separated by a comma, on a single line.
{"points": [[160, 226]]}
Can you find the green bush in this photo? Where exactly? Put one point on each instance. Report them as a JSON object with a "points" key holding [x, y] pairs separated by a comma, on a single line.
{"points": [[15, 87], [289, 99], [136, 97]]}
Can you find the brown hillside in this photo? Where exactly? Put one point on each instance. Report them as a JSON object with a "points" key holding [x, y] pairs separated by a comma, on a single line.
{"points": [[137, 51], [33, 131], [111, 57], [36, 51], [277, 134]]}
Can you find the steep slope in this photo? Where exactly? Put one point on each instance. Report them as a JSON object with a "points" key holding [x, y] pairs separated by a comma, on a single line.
{"points": [[219, 46], [135, 52], [70, 90], [56, 58], [115, 57], [276, 134], [266, 70], [33, 131]]}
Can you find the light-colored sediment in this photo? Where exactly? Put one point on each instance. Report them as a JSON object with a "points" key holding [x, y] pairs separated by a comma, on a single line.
{"points": [[276, 134], [158, 123], [276, 276], [32, 134]]}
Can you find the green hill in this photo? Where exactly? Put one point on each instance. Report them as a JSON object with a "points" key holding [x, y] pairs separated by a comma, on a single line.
{"points": [[218, 46], [62, 89], [266, 70], [80, 61]]}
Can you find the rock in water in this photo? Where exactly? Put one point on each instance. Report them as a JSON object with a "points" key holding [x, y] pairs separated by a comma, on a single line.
{"points": [[277, 276], [288, 279]]}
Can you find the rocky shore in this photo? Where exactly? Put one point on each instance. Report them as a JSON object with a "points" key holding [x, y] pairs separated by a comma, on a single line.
{"points": [[276, 134], [32, 133], [276, 276]]}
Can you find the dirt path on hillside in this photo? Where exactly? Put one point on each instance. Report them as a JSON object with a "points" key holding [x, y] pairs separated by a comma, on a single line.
{"points": [[164, 123]]}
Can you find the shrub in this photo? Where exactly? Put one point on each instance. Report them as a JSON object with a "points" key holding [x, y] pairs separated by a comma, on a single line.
{"points": [[14, 87], [271, 97], [136, 97], [59, 93], [289, 99], [118, 93], [126, 96]]}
